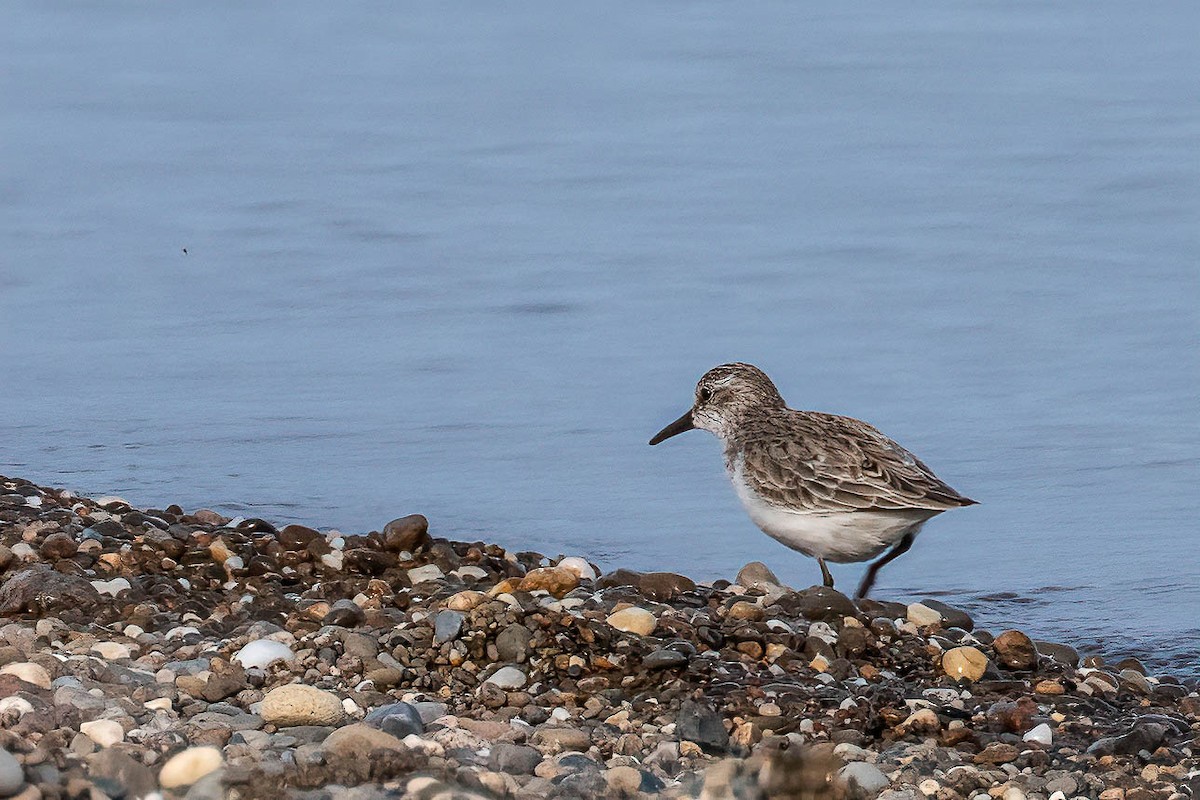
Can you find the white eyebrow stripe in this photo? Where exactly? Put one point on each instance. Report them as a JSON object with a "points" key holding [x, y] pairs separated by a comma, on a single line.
{"points": [[724, 381]]}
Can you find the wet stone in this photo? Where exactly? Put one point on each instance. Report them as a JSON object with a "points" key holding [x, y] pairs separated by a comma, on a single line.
{"points": [[1015, 650], [951, 617], [406, 534], [664, 659], [822, 603]]}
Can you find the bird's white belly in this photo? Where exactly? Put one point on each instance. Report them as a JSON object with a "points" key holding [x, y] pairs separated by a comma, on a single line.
{"points": [[838, 536]]}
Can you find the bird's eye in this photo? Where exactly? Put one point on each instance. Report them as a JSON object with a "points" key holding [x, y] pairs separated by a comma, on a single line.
{"points": [[705, 395]]}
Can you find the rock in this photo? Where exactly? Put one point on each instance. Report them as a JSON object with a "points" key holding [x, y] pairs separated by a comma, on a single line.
{"points": [[446, 626], [746, 611], [298, 704], [263, 652], [429, 572], [951, 617], [1015, 650], [57, 546], [409, 534], [1007, 716], [633, 620], [922, 721], [659, 586], [40, 589], [117, 768], [923, 616], [1142, 736], [513, 643], [560, 739], [111, 588], [398, 719], [514, 759], [12, 777], [623, 781], [997, 753], [297, 538], [664, 659], [862, 781], [579, 566], [358, 740], [111, 651], [344, 614], [1065, 784], [699, 723], [821, 603], [104, 732], [507, 678], [1063, 654], [1041, 734], [964, 663], [756, 575], [29, 672], [189, 766], [555, 580], [465, 601]]}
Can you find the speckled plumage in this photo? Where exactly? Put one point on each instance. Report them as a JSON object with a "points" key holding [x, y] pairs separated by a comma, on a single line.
{"points": [[830, 486]]}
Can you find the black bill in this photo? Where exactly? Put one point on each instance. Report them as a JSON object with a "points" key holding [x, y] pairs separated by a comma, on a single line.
{"points": [[680, 425]]}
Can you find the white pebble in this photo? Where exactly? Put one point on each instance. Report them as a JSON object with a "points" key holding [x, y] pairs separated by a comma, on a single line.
{"points": [[262, 653], [104, 732], [184, 769], [29, 672], [111, 588], [1042, 734], [17, 704], [429, 572], [579, 566]]}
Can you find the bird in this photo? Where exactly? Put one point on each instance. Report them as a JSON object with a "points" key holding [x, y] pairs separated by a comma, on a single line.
{"points": [[829, 486]]}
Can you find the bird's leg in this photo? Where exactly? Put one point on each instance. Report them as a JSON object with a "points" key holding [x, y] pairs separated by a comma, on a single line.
{"points": [[869, 579], [825, 573]]}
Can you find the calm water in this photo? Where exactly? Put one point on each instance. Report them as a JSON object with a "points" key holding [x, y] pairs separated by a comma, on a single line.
{"points": [[466, 261]]}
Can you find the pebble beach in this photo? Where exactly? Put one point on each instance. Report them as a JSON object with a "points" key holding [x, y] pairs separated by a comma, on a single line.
{"points": [[172, 653]]}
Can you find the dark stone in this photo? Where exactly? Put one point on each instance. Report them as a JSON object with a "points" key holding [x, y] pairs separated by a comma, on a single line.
{"points": [[129, 777], [664, 659], [1015, 650], [58, 545], [398, 719], [1063, 654], [41, 589], [1142, 736], [660, 586], [514, 759], [297, 537], [820, 603], [409, 534], [885, 609], [344, 613], [513, 643], [951, 617], [699, 723], [1012, 717], [651, 783]]}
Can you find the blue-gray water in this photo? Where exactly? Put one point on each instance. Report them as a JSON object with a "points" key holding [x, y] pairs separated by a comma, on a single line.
{"points": [[466, 260]]}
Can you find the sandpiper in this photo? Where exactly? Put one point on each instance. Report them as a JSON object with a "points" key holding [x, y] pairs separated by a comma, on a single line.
{"points": [[832, 487]]}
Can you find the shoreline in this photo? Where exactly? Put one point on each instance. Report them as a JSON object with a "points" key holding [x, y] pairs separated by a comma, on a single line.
{"points": [[188, 654]]}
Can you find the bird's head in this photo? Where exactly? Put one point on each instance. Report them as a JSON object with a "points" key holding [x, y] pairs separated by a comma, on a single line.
{"points": [[724, 397]]}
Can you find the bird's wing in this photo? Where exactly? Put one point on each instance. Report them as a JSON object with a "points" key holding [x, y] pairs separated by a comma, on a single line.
{"points": [[825, 462]]}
